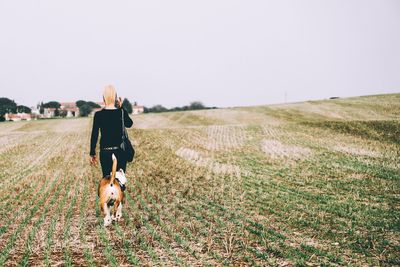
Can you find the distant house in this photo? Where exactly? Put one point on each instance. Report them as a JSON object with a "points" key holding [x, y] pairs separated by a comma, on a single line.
{"points": [[18, 117], [35, 112], [71, 109], [49, 113], [137, 109]]}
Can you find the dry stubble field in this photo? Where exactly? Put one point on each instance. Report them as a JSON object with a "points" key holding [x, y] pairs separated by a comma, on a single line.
{"points": [[313, 183]]}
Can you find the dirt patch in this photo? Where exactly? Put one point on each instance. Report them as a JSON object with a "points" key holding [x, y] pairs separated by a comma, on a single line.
{"points": [[197, 159], [277, 150], [223, 138]]}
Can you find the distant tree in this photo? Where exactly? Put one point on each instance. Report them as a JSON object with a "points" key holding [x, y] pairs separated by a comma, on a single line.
{"points": [[41, 108], [127, 105], [56, 112], [158, 109], [85, 110], [93, 105], [80, 103], [176, 109], [23, 109], [7, 106], [196, 105], [52, 104]]}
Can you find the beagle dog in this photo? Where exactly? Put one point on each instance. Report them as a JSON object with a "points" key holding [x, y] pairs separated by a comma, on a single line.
{"points": [[111, 192]]}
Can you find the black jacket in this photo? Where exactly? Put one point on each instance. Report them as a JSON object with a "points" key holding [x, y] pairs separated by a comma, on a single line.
{"points": [[109, 122]]}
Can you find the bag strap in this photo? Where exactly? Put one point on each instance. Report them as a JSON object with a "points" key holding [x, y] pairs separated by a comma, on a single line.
{"points": [[123, 124]]}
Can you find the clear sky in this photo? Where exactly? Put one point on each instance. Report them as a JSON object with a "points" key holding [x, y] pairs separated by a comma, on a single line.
{"points": [[221, 52]]}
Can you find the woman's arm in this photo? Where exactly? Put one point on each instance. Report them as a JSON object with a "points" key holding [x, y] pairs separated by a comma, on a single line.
{"points": [[95, 135], [127, 120]]}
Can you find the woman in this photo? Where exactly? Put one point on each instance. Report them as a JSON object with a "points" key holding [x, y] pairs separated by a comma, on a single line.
{"points": [[109, 121]]}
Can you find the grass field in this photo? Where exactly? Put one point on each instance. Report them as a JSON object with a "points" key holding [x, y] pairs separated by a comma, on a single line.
{"points": [[313, 183]]}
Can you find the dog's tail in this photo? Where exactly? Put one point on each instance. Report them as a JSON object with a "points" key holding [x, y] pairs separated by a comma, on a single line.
{"points": [[114, 169]]}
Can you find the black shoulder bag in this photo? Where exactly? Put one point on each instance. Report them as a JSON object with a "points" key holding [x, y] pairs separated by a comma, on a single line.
{"points": [[126, 145]]}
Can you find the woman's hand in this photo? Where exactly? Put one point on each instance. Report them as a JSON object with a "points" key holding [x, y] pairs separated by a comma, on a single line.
{"points": [[119, 102], [93, 160]]}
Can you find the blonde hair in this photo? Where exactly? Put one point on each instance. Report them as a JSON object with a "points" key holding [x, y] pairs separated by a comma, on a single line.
{"points": [[109, 95]]}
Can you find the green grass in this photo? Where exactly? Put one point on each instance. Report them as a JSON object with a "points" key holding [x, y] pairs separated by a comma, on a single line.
{"points": [[386, 131], [317, 184], [13, 238]]}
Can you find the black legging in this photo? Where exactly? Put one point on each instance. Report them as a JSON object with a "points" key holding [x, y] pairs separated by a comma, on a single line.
{"points": [[106, 160]]}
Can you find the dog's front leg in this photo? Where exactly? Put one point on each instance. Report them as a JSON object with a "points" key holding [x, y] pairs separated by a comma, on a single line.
{"points": [[107, 217]]}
